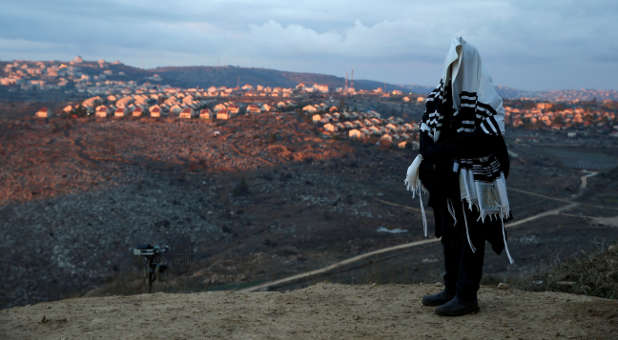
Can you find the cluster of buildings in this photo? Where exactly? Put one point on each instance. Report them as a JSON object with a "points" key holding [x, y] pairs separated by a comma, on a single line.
{"points": [[363, 126], [222, 103], [102, 78], [569, 118], [170, 102], [74, 76]]}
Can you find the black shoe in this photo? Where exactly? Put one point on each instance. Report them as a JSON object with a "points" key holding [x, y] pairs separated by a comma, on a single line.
{"points": [[455, 307], [437, 299]]}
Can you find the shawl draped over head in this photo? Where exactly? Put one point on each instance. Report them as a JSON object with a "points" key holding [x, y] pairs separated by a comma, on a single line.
{"points": [[466, 104]]}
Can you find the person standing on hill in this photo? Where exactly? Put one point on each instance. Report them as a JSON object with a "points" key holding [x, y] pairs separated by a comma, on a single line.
{"points": [[463, 164]]}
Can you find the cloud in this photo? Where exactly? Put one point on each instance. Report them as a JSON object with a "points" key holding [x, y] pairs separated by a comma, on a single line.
{"points": [[379, 40]]}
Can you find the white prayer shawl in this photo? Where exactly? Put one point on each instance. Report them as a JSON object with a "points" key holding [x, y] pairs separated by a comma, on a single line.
{"points": [[481, 183]]}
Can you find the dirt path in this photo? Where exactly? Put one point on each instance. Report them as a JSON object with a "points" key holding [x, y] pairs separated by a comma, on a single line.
{"points": [[341, 264], [321, 271], [323, 311]]}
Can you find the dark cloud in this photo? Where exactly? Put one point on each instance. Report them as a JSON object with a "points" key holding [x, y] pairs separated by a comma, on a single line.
{"points": [[395, 41]]}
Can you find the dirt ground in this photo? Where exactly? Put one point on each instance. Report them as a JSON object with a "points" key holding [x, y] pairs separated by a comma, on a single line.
{"points": [[322, 311]]}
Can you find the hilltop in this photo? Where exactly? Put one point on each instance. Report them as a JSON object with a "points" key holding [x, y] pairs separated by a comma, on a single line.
{"points": [[323, 311], [205, 76]]}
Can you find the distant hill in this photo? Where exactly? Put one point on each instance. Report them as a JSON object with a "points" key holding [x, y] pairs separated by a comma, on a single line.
{"points": [[205, 76], [551, 95]]}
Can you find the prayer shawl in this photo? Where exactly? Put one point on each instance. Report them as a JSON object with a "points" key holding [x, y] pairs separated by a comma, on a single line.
{"points": [[466, 95]]}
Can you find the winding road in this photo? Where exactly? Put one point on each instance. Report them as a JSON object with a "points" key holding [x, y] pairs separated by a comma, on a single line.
{"points": [[307, 275]]}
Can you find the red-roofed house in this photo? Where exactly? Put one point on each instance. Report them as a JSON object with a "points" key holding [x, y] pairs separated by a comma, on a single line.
{"points": [[120, 112], [223, 115], [102, 111], [137, 111], [186, 113], [205, 113], [43, 113], [252, 108], [155, 111]]}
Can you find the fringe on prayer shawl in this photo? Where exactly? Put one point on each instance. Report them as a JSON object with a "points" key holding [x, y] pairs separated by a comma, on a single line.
{"points": [[413, 184], [490, 198]]}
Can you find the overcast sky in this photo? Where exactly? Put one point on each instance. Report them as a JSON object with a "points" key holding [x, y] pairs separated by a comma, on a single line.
{"points": [[542, 44]]}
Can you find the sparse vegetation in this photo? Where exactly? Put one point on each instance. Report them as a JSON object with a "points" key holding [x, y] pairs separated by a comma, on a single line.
{"points": [[593, 273]]}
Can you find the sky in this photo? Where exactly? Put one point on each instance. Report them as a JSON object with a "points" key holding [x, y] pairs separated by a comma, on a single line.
{"points": [[532, 45]]}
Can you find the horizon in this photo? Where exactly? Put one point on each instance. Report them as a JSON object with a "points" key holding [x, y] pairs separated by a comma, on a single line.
{"points": [[302, 72], [524, 45]]}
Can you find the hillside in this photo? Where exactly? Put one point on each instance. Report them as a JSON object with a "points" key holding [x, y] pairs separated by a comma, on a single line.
{"points": [[230, 76], [205, 76], [323, 311]]}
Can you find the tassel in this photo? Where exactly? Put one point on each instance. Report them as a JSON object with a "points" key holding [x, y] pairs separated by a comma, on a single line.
{"points": [[423, 216], [504, 199], [414, 185], [463, 209], [451, 210], [506, 247], [412, 181]]}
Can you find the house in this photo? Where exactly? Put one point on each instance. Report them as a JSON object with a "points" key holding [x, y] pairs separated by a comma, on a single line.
{"points": [[43, 113], [91, 102], [120, 112], [186, 113], [233, 109], [310, 109], [205, 113], [316, 118], [402, 145], [374, 131], [137, 112], [155, 111], [266, 107], [330, 127], [354, 133], [252, 108], [220, 107], [386, 140], [392, 127], [101, 111], [408, 127], [223, 115], [175, 109]]}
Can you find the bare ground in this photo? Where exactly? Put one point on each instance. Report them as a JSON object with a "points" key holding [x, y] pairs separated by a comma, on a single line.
{"points": [[77, 193], [322, 311]]}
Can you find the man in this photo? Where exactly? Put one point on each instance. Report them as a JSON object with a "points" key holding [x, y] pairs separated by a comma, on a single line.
{"points": [[464, 165]]}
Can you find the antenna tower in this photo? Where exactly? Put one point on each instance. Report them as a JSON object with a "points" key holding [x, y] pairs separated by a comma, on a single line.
{"points": [[352, 79]]}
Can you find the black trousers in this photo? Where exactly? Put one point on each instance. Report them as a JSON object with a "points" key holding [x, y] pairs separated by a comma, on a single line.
{"points": [[463, 267]]}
